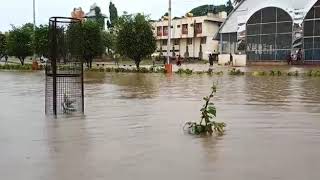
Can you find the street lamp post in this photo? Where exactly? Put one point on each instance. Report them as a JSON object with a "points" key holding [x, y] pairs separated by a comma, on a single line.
{"points": [[168, 66], [34, 29], [169, 34]]}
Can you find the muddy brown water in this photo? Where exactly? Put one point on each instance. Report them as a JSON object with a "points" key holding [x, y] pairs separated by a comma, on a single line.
{"points": [[132, 129]]}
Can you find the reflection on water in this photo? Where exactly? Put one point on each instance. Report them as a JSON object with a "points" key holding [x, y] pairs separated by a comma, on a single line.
{"points": [[133, 129]]}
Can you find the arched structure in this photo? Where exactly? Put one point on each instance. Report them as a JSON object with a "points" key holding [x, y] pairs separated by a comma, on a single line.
{"points": [[269, 35], [311, 35]]}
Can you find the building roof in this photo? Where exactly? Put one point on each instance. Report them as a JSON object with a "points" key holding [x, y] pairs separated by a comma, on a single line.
{"points": [[296, 8], [92, 12]]}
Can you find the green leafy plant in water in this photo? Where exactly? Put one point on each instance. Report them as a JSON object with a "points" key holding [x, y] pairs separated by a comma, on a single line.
{"points": [[295, 73], [236, 72], [206, 124], [275, 73], [259, 73]]}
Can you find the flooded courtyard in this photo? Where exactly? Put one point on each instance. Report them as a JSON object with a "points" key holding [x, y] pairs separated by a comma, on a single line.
{"points": [[132, 129]]}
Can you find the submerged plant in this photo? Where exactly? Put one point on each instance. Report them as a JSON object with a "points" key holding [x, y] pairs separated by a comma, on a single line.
{"points": [[236, 72], [208, 113]]}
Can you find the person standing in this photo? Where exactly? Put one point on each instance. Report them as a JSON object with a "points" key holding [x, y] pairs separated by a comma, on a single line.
{"points": [[299, 55], [6, 58], [179, 60], [231, 60], [289, 58], [211, 59]]}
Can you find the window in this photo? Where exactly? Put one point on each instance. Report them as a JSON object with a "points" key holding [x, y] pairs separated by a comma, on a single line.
{"points": [[311, 41], [159, 31], [253, 29], [198, 28], [189, 41], [177, 42], [164, 42], [178, 26], [229, 43], [184, 28], [204, 40], [269, 28], [308, 28], [269, 34], [165, 30], [269, 14]]}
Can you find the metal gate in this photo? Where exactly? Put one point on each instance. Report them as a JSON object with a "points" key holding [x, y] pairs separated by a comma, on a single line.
{"points": [[64, 69]]}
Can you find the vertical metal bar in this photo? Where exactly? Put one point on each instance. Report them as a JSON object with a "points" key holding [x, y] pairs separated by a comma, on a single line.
{"points": [[82, 86], [34, 28], [54, 66], [169, 34]]}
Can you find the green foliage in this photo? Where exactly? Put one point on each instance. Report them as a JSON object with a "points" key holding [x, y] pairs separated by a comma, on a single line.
{"points": [[85, 40], [236, 72], [93, 41], [135, 38], [184, 71], [313, 73], [108, 40], [126, 70], [99, 17], [204, 9], [275, 73], [20, 42], [3, 45], [259, 73], [26, 67], [74, 39], [113, 15], [42, 40], [206, 124], [294, 73]]}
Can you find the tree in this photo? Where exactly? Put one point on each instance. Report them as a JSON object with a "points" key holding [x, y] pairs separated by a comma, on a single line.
{"points": [[113, 15], [20, 42], [42, 40], [3, 45], [135, 38], [99, 17], [236, 2], [229, 7], [204, 9], [108, 40], [93, 42]]}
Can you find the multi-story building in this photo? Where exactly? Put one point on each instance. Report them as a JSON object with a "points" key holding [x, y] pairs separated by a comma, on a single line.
{"points": [[192, 37]]}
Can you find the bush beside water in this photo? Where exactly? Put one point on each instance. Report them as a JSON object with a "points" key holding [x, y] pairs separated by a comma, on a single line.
{"points": [[26, 67]]}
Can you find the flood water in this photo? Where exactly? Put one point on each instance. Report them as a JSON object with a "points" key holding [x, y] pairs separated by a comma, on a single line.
{"points": [[132, 129]]}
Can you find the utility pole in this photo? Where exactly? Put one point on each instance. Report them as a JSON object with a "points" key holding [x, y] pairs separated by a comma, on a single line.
{"points": [[34, 29], [169, 34], [168, 66]]}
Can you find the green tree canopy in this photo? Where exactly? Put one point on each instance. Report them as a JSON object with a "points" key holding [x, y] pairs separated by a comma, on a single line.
{"points": [[20, 42], [93, 41], [204, 9], [135, 38], [42, 40], [3, 45], [113, 15], [99, 17], [108, 40]]}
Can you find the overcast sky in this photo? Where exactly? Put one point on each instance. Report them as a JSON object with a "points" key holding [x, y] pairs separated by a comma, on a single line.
{"points": [[19, 12]]}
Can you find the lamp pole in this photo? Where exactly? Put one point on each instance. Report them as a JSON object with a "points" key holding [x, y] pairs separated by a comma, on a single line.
{"points": [[34, 29], [169, 34]]}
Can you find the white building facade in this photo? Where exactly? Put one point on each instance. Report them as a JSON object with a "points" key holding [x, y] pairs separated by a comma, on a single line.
{"points": [[191, 37]]}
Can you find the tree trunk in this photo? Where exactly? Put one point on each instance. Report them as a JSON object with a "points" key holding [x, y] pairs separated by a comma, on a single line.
{"points": [[90, 61], [21, 60], [137, 62]]}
